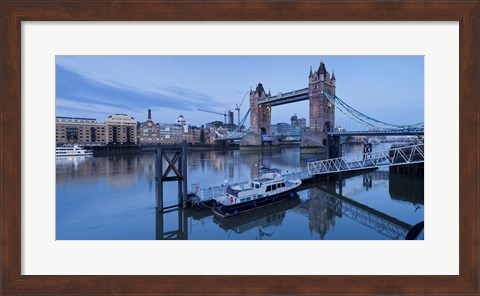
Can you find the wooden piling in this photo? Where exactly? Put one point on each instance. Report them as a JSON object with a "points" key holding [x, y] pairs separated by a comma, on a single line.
{"points": [[176, 164], [184, 172], [158, 178]]}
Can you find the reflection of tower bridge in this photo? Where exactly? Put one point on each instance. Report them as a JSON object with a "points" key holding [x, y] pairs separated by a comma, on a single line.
{"points": [[323, 104], [343, 206], [381, 179]]}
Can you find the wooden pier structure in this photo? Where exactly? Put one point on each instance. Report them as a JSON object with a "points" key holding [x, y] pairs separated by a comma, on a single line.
{"points": [[176, 170]]}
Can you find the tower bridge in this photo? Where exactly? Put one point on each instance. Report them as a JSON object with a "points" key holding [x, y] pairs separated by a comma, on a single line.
{"points": [[321, 85], [320, 137]]}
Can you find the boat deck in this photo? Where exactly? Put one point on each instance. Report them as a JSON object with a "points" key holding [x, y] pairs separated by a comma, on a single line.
{"points": [[210, 193]]}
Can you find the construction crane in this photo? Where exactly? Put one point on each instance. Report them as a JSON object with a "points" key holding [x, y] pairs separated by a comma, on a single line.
{"points": [[223, 114], [238, 107]]}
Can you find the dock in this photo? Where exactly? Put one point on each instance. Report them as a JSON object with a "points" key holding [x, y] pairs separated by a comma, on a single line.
{"points": [[314, 171], [203, 196]]}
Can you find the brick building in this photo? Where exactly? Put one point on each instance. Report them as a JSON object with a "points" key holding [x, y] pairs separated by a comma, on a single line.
{"points": [[79, 130], [149, 131], [121, 129]]}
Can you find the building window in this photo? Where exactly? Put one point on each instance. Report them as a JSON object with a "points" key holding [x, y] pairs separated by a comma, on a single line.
{"points": [[72, 133]]}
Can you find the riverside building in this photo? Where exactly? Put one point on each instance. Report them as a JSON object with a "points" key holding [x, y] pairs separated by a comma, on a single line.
{"points": [[149, 132], [174, 133], [79, 130], [121, 129], [117, 129]]}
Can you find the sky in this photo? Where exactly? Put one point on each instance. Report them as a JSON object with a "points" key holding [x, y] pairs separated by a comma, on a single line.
{"points": [[387, 88]]}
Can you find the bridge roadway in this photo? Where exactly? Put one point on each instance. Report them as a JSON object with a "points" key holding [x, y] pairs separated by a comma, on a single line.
{"points": [[286, 98], [387, 132], [371, 133]]}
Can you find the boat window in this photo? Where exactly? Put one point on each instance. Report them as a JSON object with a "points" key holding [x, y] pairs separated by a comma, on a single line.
{"points": [[269, 188], [274, 187], [282, 185], [248, 198], [257, 185]]}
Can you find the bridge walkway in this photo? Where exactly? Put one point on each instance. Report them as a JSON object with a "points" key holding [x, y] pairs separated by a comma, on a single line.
{"points": [[395, 156]]}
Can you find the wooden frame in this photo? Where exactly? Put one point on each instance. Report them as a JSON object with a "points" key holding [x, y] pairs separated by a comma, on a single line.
{"points": [[14, 12]]}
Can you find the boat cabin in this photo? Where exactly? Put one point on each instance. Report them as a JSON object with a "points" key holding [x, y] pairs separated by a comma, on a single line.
{"points": [[255, 189]]}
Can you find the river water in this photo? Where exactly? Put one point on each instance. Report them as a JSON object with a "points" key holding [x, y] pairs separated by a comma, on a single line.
{"points": [[113, 198]]}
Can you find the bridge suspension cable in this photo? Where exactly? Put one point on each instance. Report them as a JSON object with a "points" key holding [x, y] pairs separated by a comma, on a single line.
{"points": [[365, 119]]}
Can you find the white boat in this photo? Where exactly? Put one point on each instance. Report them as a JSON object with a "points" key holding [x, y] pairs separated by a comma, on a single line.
{"points": [[267, 189], [72, 151]]}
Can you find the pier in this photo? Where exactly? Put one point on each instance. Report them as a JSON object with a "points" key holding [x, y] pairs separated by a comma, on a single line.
{"points": [[176, 170], [325, 201], [330, 168]]}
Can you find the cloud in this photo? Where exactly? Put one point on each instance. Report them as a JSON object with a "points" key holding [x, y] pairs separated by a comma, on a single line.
{"points": [[88, 107], [73, 86]]}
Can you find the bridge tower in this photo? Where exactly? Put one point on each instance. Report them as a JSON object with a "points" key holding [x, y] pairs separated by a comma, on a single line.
{"points": [[322, 110], [260, 117]]}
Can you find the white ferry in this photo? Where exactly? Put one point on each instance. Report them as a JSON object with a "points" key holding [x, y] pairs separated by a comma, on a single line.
{"points": [[267, 189], [72, 151]]}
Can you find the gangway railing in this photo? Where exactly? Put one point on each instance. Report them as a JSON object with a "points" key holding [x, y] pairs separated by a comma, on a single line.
{"points": [[396, 156]]}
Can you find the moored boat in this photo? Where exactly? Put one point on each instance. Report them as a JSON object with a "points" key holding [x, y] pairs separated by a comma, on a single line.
{"points": [[72, 151], [267, 189]]}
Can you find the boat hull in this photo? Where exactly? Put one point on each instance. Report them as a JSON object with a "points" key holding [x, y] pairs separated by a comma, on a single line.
{"points": [[264, 217], [225, 211]]}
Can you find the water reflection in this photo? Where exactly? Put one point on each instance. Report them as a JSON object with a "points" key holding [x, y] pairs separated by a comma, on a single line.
{"points": [[114, 198], [119, 171], [409, 189], [261, 218], [321, 206], [321, 210]]}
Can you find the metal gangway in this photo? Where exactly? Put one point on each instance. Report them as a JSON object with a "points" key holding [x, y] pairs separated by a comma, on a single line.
{"points": [[395, 156]]}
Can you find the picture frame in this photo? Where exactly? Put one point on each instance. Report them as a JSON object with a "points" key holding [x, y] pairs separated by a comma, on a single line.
{"points": [[14, 12]]}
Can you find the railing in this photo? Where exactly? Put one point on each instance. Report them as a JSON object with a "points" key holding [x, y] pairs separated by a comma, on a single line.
{"points": [[396, 156], [210, 193]]}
